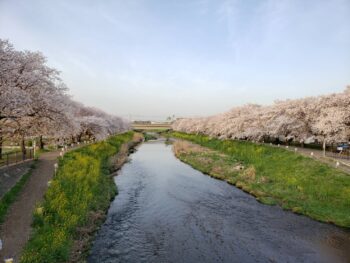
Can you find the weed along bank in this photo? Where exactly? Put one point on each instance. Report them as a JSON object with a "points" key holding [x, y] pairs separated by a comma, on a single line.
{"points": [[76, 201]]}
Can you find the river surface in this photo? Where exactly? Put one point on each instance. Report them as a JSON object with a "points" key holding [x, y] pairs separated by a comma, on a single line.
{"points": [[168, 212]]}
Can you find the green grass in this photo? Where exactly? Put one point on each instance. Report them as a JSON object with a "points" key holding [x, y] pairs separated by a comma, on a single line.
{"points": [[10, 196], [82, 185], [295, 182]]}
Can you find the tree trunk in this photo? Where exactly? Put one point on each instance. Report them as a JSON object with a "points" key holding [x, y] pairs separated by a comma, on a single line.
{"points": [[1, 144], [79, 137], [23, 147], [41, 143], [324, 147]]}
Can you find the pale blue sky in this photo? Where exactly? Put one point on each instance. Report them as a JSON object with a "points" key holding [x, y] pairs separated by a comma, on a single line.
{"points": [[188, 58]]}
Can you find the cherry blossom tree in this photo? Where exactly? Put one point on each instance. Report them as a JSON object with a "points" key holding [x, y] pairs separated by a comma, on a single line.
{"points": [[324, 118], [34, 102]]}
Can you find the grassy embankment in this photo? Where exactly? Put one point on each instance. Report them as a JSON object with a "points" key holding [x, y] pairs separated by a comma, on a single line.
{"points": [[274, 176], [7, 200], [78, 196]]}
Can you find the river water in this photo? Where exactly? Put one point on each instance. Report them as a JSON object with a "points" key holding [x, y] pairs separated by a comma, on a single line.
{"points": [[168, 212]]}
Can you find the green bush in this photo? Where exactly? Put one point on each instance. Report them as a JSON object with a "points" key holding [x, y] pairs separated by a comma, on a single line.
{"points": [[149, 136], [81, 185]]}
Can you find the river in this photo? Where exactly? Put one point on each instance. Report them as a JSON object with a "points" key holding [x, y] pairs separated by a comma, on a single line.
{"points": [[168, 212]]}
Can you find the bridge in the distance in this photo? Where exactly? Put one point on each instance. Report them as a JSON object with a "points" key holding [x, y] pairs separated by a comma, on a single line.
{"points": [[145, 125]]}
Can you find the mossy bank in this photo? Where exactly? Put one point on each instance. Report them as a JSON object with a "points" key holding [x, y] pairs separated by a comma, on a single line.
{"points": [[274, 176], [75, 203]]}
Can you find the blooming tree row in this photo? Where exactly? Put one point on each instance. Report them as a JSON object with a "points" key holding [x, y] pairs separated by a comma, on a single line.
{"points": [[323, 119], [34, 102]]}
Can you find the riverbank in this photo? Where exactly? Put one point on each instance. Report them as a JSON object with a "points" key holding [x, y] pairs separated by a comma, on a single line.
{"points": [[76, 202], [273, 176]]}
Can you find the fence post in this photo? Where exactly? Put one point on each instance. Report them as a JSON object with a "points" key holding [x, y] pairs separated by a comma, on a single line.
{"points": [[7, 159]]}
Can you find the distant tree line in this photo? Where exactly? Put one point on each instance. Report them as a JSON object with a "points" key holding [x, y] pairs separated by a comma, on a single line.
{"points": [[322, 119], [34, 103]]}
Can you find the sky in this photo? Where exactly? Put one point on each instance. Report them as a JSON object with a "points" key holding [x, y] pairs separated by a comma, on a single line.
{"points": [[148, 59]]}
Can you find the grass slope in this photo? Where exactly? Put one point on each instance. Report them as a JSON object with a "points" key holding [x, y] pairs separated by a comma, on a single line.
{"points": [[277, 176], [82, 185]]}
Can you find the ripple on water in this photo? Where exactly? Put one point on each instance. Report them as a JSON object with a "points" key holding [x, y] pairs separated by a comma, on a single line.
{"points": [[168, 212]]}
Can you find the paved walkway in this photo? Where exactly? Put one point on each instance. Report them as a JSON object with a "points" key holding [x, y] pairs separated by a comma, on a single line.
{"points": [[329, 156], [16, 229]]}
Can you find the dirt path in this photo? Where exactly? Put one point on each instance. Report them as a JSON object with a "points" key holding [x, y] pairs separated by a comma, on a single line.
{"points": [[16, 229]]}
